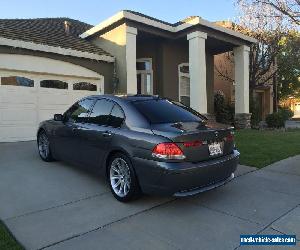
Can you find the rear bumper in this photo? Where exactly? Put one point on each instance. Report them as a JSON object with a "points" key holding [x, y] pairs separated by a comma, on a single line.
{"points": [[182, 179]]}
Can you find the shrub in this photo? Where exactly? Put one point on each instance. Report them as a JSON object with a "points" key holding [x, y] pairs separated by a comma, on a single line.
{"points": [[275, 120], [223, 111], [286, 113]]}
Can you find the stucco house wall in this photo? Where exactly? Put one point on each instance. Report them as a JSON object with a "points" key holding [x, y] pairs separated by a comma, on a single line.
{"points": [[220, 82], [114, 42]]}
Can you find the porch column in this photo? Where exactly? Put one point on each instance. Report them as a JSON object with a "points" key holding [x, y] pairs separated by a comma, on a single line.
{"points": [[197, 66], [131, 60], [241, 72]]}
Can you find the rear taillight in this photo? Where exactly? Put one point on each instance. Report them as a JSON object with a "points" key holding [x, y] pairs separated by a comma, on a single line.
{"points": [[168, 151]]}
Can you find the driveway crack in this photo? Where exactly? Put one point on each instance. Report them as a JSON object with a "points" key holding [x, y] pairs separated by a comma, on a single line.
{"points": [[269, 225], [108, 224]]}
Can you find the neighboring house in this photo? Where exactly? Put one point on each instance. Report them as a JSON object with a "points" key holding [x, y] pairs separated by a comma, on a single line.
{"points": [[225, 82], [293, 103], [46, 64]]}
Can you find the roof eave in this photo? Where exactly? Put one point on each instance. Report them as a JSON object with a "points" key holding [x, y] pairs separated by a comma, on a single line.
{"points": [[155, 23], [52, 49]]}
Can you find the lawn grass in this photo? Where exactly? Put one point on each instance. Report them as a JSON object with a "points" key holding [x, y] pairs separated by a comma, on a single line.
{"points": [[260, 148], [7, 242]]}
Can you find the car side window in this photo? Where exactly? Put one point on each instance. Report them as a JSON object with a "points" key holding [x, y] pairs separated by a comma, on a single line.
{"points": [[79, 111], [116, 117], [100, 112]]}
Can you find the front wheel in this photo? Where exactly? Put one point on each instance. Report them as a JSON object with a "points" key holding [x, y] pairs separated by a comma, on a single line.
{"points": [[44, 146], [122, 179]]}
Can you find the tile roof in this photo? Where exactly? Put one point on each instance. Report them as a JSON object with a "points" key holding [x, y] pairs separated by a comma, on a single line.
{"points": [[51, 32]]}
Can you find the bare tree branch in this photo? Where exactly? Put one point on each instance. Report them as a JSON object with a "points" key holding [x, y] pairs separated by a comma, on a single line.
{"points": [[290, 9]]}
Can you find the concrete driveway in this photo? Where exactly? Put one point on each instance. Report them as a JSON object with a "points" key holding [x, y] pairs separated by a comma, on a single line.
{"points": [[57, 206]]}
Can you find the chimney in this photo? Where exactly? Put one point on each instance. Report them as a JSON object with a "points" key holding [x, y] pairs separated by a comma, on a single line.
{"points": [[67, 25]]}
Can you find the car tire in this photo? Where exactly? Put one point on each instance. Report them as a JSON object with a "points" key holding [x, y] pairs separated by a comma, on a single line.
{"points": [[122, 178], [44, 146]]}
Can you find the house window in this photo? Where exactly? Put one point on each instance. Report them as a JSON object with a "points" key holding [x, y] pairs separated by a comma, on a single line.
{"points": [[144, 76], [184, 83], [54, 84], [17, 81], [84, 86], [144, 64]]}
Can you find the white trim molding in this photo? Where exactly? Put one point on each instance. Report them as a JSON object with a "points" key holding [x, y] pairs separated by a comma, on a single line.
{"points": [[157, 24], [53, 49]]}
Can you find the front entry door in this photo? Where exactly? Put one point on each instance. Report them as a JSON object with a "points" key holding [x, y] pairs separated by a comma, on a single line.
{"points": [[144, 76]]}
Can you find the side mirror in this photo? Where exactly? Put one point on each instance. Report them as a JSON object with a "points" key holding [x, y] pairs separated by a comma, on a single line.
{"points": [[58, 117]]}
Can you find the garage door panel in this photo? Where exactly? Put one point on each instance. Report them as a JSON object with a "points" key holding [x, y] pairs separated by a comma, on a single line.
{"points": [[53, 101], [78, 94], [17, 95], [46, 114], [53, 98], [18, 115]]}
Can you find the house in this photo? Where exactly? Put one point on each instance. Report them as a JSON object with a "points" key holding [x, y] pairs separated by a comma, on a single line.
{"points": [[46, 64], [292, 103], [263, 95], [224, 81]]}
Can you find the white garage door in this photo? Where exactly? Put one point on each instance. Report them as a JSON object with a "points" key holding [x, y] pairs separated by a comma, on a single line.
{"points": [[297, 110], [28, 98]]}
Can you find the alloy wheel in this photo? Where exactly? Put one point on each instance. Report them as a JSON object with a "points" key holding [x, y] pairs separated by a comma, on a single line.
{"points": [[43, 146], [120, 177]]}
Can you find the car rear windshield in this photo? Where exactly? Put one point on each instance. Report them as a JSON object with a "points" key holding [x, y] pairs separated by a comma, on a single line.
{"points": [[165, 111]]}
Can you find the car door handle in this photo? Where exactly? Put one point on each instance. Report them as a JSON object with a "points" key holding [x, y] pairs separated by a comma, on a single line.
{"points": [[106, 134]]}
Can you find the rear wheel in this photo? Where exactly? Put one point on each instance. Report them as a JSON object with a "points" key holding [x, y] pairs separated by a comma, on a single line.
{"points": [[44, 146], [122, 180]]}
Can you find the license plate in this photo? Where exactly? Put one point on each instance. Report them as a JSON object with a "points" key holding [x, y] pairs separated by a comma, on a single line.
{"points": [[215, 148]]}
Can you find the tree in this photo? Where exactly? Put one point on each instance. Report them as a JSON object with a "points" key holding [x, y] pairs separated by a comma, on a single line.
{"points": [[289, 66], [268, 26], [289, 9]]}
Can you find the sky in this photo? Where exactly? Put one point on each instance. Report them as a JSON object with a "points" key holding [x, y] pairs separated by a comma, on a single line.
{"points": [[95, 11]]}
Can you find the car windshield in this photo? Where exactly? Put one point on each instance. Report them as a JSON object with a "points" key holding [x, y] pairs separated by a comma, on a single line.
{"points": [[165, 111]]}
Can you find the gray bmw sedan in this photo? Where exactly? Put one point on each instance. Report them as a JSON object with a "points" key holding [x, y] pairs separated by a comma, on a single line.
{"points": [[141, 144]]}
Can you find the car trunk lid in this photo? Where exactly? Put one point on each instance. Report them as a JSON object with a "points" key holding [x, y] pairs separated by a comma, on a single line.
{"points": [[198, 141]]}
